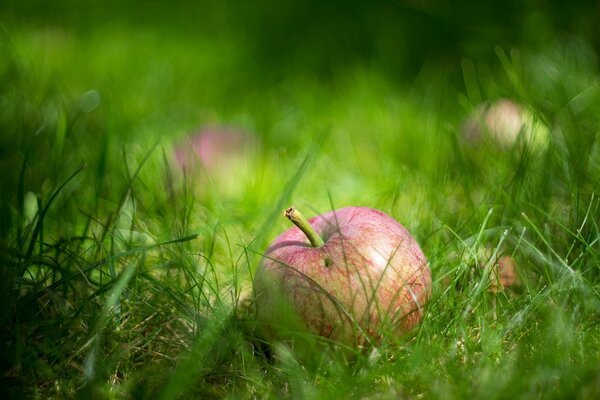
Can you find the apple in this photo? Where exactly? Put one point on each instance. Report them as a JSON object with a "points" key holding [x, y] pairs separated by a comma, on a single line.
{"points": [[221, 156], [503, 273], [505, 123], [347, 275]]}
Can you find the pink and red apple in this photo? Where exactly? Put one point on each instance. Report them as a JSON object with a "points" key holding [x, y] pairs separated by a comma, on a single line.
{"points": [[349, 275], [217, 155]]}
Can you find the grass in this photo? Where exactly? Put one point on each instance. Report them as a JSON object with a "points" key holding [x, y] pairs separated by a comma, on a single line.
{"points": [[124, 278]]}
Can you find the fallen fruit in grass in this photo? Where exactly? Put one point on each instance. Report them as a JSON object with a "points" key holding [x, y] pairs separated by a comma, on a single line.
{"points": [[349, 275], [219, 155], [504, 275], [505, 123]]}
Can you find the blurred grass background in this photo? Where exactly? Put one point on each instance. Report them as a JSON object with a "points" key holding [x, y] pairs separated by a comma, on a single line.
{"points": [[120, 276]]}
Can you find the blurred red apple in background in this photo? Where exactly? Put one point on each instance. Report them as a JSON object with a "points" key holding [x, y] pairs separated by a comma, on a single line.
{"points": [[347, 275], [221, 155]]}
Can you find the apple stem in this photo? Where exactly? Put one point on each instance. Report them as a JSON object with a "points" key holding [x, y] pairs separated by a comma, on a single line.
{"points": [[302, 223]]}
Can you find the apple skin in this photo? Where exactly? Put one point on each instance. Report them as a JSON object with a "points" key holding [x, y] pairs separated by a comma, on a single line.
{"points": [[369, 276]]}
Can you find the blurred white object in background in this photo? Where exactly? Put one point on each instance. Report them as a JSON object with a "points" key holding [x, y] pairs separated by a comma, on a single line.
{"points": [[505, 123]]}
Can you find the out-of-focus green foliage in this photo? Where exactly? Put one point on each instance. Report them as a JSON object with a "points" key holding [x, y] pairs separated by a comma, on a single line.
{"points": [[400, 37]]}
